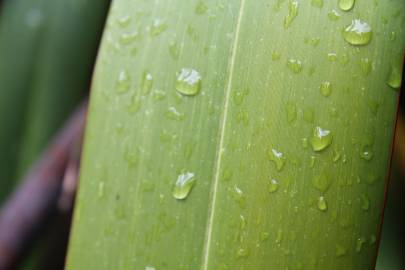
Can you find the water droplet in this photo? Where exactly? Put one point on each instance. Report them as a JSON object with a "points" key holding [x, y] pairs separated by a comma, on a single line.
{"points": [[340, 250], [393, 35], [273, 186], [292, 13], [201, 8], [185, 182], [346, 5], [150, 268], [146, 82], [365, 202], [174, 50], [277, 157], [188, 82], [312, 41], [333, 15], [239, 196], [159, 95], [312, 160], [101, 188], [336, 155], [124, 21], [395, 77], [359, 244], [158, 27], [321, 139], [366, 153], [239, 96], [128, 38], [123, 82], [366, 66], [317, 3], [135, 104], [322, 204], [309, 115], [332, 57], [322, 182], [173, 114], [275, 55], [279, 236], [242, 252], [304, 143], [291, 110], [326, 89], [358, 33], [264, 236], [294, 65]]}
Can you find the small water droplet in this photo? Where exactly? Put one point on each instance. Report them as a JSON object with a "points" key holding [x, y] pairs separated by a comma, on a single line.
{"points": [[365, 202], [291, 110], [340, 250], [273, 186], [373, 239], [124, 21], [174, 50], [158, 27], [366, 153], [366, 66], [146, 82], [239, 96], [101, 188], [173, 114], [312, 41], [239, 197], [359, 244], [135, 104], [304, 143], [277, 157], [393, 35], [322, 204], [128, 38], [275, 55], [395, 77], [201, 8], [326, 89], [123, 82], [292, 13], [184, 183], [346, 5], [321, 139], [333, 15], [150, 268], [317, 3], [242, 252], [188, 82], [294, 65], [279, 236], [312, 160], [332, 57], [358, 33], [264, 236], [322, 182]]}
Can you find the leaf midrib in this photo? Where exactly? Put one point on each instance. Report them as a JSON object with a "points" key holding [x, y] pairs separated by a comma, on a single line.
{"points": [[220, 148]]}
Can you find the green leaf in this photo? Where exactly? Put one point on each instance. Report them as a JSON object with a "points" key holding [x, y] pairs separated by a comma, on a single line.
{"points": [[281, 174]]}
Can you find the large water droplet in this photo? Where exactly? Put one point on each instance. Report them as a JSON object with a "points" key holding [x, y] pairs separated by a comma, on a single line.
{"points": [[322, 182], [346, 5], [294, 65], [185, 182], [278, 158], [395, 77], [292, 13], [326, 89], [358, 33], [273, 186], [188, 82], [322, 204], [321, 139]]}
